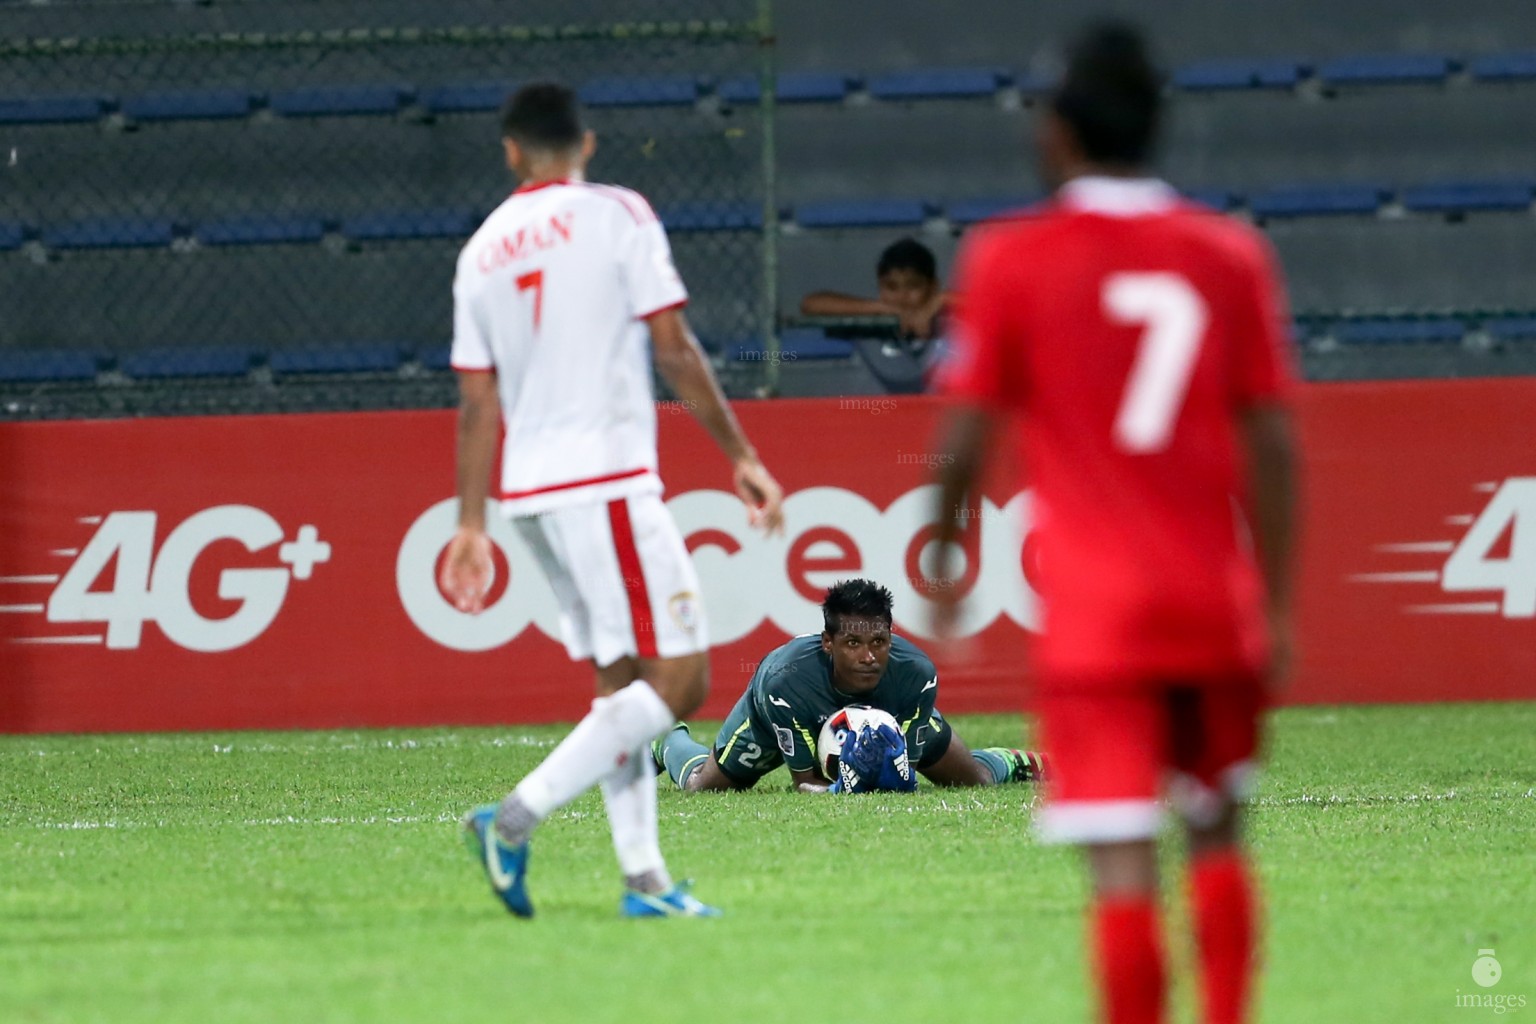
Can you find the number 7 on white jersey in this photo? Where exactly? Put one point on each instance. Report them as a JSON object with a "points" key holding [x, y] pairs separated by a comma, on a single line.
{"points": [[1174, 316]]}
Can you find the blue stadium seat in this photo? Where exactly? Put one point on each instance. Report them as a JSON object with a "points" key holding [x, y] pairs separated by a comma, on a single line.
{"points": [[1469, 196], [35, 365], [791, 87], [11, 236], [110, 233], [938, 83], [713, 215], [971, 211], [467, 97], [350, 358], [1318, 200], [339, 100], [275, 229], [1386, 69], [1216, 198], [409, 224], [52, 109], [796, 344], [1438, 331], [1512, 328], [212, 105], [861, 213], [156, 363], [435, 355], [640, 91], [1504, 67], [1212, 75]]}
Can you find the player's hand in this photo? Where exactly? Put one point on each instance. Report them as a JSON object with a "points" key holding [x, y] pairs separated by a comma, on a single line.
{"points": [[466, 575], [762, 495], [895, 768]]}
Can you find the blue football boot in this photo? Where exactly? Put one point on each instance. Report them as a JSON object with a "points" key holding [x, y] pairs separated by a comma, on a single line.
{"points": [[675, 902], [505, 866]]}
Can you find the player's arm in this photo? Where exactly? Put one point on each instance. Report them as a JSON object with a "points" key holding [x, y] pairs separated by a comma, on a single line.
{"points": [[843, 304], [467, 567], [1267, 435], [682, 364], [808, 781], [964, 442]]}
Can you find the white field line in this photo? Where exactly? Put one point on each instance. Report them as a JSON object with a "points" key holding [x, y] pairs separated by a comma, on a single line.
{"points": [[1419, 547], [28, 608], [1470, 608], [943, 807], [39, 578], [59, 640]]}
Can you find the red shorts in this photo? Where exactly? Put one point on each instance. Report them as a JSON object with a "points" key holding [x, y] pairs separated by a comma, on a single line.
{"points": [[1115, 753]]}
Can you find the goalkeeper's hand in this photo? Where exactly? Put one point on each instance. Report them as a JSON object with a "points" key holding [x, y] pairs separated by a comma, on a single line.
{"points": [[874, 759]]}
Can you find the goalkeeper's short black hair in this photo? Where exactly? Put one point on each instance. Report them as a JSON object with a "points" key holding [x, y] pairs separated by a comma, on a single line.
{"points": [[1111, 95], [544, 116], [908, 254], [862, 598]]}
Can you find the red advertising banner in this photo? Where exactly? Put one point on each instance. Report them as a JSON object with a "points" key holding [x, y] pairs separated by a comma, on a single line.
{"points": [[278, 572]]}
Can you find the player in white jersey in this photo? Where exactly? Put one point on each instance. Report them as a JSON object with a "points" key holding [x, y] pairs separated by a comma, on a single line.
{"points": [[554, 298]]}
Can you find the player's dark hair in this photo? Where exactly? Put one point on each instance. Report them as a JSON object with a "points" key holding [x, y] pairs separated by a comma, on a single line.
{"points": [[1111, 95], [543, 115], [908, 254], [863, 598]]}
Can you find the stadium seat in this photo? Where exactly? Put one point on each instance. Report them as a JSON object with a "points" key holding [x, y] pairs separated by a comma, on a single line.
{"points": [[1216, 198], [156, 363], [1213, 75], [52, 109], [11, 236], [110, 233], [410, 224], [856, 213], [791, 87], [1386, 69], [1512, 328], [938, 83], [212, 105], [964, 212], [1504, 67], [1469, 196], [435, 355], [350, 358], [1318, 200], [467, 97], [796, 344], [1435, 331], [640, 91], [258, 230], [37, 365], [339, 100], [713, 215]]}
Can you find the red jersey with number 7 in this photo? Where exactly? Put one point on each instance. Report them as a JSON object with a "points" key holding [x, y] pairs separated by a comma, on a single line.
{"points": [[1128, 329]]}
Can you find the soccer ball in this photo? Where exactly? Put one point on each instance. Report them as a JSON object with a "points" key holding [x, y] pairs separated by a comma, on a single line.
{"points": [[829, 745]]}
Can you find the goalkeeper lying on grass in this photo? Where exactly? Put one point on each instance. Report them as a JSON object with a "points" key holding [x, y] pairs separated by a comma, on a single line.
{"points": [[798, 686]]}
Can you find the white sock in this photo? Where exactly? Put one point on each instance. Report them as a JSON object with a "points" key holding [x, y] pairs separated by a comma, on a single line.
{"points": [[605, 740], [629, 793]]}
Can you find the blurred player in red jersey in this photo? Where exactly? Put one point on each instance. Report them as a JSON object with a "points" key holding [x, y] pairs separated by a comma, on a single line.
{"points": [[1142, 343]]}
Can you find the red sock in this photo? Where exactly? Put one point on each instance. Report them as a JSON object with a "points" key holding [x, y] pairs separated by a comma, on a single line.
{"points": [[1130, 960], [1225, 908]]}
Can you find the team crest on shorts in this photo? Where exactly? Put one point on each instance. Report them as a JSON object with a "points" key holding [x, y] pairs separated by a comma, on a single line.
{"points": [[685, 610]]}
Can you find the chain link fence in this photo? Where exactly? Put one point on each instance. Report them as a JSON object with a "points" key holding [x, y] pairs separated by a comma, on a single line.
{"points": [[260, 196]]}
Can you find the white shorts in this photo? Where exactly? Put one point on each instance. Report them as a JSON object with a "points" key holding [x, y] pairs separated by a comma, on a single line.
{"points": [[623, 577]]}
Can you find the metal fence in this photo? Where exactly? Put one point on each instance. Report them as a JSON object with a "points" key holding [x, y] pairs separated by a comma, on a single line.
{"points": [[259, 194]]}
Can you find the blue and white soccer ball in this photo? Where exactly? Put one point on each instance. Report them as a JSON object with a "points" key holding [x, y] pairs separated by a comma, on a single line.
{"points": [[829, 745]]}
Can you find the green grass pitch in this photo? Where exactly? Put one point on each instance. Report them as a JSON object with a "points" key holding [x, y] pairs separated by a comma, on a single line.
{"points": [[319, 877]]}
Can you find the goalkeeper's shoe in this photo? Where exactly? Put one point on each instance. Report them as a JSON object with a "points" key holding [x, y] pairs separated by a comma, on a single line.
{"points": [[1024, 765], [505, 866], [659, 747], [674, 902]]}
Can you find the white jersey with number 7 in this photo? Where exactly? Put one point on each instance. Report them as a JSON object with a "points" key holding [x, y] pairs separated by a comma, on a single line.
{"points": [[551, 294]]}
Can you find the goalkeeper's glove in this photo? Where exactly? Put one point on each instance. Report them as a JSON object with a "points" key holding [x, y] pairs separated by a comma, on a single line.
{"points": [[858, 764], [896, 769]]}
